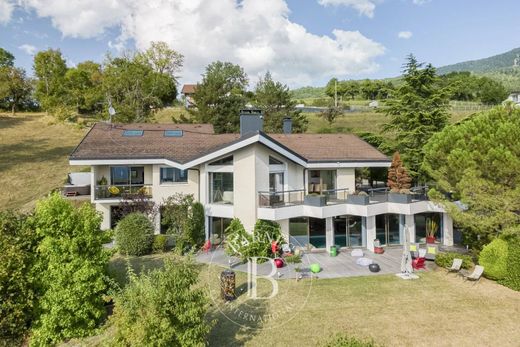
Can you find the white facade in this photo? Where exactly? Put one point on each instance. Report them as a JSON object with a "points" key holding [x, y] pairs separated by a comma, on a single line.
{"points": [[257, 167]]}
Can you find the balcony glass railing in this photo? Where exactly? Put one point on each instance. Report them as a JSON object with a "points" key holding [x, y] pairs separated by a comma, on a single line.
{"points": [[336, 196], [279, 199], [119, 191]]}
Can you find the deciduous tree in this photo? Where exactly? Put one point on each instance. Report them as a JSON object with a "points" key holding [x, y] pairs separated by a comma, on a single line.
{"points": [[50, 69], [15, 88], [72, 266]]}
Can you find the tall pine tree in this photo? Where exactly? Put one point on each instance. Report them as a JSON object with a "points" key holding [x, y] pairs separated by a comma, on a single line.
{"points": [[418, 109]]}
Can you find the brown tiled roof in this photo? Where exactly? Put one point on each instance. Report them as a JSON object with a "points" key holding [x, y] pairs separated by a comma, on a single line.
{"points": [[105, 141], [330, 147], [188, 89]]}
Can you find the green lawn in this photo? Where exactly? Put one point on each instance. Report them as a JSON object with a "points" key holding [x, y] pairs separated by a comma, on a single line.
{"points": [[436, 310]]}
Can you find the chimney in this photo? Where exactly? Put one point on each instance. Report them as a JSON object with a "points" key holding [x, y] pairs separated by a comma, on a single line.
{"points": [[251, 121], [287, 125]]}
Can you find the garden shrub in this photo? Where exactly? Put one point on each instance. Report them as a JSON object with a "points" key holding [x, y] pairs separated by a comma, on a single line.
{"points": [[18, 243], [512, 278], [162, 307], [160, 243], [493, 258], [72, 271], [184, 219], [258, 244], [342, 340], [294, 259], [445, 259], [134, 234]]}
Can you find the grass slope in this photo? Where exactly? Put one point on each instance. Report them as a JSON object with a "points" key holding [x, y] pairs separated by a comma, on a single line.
{"points": [[436, 310], [33, 158]]}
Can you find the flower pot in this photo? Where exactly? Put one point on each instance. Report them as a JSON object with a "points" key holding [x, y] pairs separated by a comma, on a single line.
{"points": [[315, 200], [358, 199], [430, 239], [400, 198]]}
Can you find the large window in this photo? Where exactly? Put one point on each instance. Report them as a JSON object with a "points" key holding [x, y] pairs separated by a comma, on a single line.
{"points": [[299, 231], [276, 182], [388, 229], [348, 231], [127, 175], [173, 175], [420, 226], [321, 180], [221, 190], [223, 161]]}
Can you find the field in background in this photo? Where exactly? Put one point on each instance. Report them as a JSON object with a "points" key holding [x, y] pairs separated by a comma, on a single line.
{"points": [[33, 158]]}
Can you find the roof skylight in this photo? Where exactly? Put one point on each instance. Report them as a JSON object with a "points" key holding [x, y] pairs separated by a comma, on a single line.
{"points": [[133, 133]]}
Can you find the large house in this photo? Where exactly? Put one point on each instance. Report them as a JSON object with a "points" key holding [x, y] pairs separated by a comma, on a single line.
{"points": [[305, 182]]}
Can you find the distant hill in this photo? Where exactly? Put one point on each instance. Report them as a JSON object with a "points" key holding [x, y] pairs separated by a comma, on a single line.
{"points": [[500, 67], [496, 63]]}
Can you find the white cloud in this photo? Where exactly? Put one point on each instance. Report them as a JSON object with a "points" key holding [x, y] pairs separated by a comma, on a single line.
{"points": [[420, 2], [254, 34], [6, 11], [404, 35], [365, 7], [29, 49]]}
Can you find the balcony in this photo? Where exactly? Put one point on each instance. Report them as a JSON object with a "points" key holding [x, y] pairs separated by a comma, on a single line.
{"points": [[299, 197], [122, 191]]}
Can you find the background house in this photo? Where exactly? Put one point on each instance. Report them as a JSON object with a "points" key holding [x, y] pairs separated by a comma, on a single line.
{"points": [[188, 90]]}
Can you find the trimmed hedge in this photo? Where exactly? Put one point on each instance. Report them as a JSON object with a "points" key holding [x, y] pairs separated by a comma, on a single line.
{"points": [[512, 279], [493, 258], [445, 259], [134, 234]]}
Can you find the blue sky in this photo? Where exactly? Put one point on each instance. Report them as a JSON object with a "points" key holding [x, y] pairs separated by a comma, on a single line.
{"points": [[302, 42]]}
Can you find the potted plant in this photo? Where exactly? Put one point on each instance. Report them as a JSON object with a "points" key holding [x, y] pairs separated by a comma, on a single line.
{"points": [[315, 199], [358, 198], [431, 230], [399, 181]]}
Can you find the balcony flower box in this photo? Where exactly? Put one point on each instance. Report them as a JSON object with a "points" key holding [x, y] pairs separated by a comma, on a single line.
{"points": [[400, 198], [358, 199], [315, 200]]}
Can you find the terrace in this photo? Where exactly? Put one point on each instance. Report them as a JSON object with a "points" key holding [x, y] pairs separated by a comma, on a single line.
{"points": [[268, 199]]}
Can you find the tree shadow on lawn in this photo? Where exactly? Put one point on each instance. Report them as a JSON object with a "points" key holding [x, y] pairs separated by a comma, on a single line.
{"points": [[29, 151], [236, 323], [9, 121]]}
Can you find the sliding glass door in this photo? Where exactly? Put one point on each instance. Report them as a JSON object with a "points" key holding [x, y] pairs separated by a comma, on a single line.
{"points": [[388, 229], [348, 231]]}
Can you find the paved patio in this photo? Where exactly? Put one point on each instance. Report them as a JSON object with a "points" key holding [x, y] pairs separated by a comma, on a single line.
{"points": [[343, 265]]}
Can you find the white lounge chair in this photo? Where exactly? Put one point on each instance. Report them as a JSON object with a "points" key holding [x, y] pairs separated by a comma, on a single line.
{"points": [[455, 266], [475, 275]]}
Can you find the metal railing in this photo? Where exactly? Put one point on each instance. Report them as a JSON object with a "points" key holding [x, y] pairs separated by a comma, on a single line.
{"points": [[120, 191]]}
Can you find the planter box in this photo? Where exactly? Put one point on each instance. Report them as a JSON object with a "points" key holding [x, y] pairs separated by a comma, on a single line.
{"points": [[358, 199], [315, 200], [400, 198]]}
